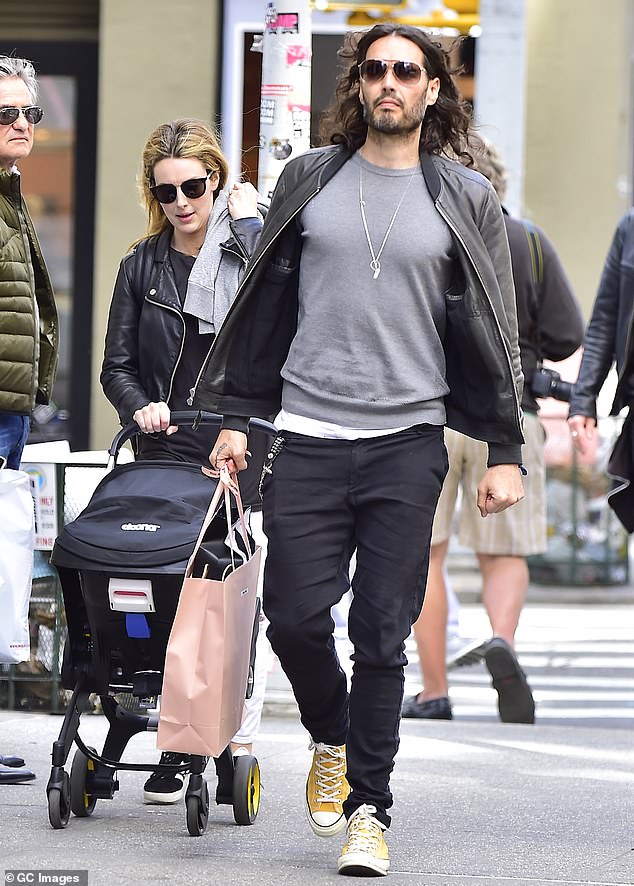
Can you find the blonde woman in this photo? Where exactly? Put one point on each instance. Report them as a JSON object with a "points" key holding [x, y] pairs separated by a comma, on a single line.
{"points": [[171, 295]]}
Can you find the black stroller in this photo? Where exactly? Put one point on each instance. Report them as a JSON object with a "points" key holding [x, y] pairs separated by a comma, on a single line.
{"points": [[121, 565]]}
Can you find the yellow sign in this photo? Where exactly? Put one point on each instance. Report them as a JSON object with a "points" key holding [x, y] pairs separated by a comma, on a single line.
{"points": [[464, 7], [360, 5], [460, 15]]}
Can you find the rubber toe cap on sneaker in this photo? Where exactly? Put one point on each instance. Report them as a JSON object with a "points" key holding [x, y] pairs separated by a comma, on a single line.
{"points": [[326, 824]]}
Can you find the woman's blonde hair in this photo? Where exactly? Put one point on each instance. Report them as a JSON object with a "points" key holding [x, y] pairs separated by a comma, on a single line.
{"points": [[179, 138]]}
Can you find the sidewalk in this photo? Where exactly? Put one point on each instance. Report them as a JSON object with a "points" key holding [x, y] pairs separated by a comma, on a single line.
{"points": [[477, 802], [465, 577]]}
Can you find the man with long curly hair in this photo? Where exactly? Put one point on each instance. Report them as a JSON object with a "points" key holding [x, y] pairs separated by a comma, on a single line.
{"points": [[378, 306]]}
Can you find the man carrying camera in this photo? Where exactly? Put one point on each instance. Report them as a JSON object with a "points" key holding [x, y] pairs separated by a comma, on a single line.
{"points": [[550, 326]]}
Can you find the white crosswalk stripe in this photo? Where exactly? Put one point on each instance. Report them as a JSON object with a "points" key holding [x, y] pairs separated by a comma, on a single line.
{"points": [[580, 669], [579, 665]]}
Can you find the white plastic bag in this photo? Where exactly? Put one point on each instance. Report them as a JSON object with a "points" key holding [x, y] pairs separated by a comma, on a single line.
{"points": [[17, 536]]}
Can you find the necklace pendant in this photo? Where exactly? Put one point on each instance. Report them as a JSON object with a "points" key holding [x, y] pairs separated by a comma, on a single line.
{"points": [[376, 267]]}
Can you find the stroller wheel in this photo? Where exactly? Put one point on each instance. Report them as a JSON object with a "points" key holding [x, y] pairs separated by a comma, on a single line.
{"points": [[197, 802], [59, 804], [246, 789], [82, 803]]}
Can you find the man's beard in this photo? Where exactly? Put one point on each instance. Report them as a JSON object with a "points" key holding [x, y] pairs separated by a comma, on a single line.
{"points": [[386, 122]]}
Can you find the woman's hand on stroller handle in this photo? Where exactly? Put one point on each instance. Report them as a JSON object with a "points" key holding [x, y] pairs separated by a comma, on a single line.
{"points": [[154, 417]]}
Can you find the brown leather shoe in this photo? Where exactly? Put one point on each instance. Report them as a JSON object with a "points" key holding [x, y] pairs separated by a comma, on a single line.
{"points": [[515, 699]]}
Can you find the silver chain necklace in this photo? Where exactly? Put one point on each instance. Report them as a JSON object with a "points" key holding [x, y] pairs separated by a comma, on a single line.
{"points": [[375, 264]]}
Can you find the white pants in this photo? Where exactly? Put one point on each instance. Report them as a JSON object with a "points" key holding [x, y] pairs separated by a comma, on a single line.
{"points": [[253, 706]]}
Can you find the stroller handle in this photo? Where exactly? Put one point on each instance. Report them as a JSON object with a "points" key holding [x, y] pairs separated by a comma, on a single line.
{"points": [[181, 418]]}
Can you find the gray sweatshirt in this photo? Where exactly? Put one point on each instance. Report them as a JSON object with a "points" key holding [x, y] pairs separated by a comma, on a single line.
{"points": [[368, 352]]}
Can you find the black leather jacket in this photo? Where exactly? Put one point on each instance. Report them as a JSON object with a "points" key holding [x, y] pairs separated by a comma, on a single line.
{"points": [[241, 375], [609, 336], [145, 326]]}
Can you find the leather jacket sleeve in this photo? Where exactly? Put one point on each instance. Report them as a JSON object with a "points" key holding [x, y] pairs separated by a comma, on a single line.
{"points": [[493, 233], [247, 233], [120, 369], [599, 349]]}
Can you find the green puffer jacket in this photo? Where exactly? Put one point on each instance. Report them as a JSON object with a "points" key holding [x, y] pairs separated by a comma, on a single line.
{"points": [[28, 357]]}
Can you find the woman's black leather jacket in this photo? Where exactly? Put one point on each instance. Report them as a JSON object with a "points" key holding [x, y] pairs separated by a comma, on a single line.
{"points": [[609, 336], [146, 328]]}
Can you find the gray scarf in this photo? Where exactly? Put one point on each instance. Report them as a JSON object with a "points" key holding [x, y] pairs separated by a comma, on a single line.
{"points": [[213, 282]]}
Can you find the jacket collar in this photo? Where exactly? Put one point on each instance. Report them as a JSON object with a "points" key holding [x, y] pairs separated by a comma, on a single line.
{"points": [[163, 245], [10, 182], [310, 172], [333, 163], [430, 174]]}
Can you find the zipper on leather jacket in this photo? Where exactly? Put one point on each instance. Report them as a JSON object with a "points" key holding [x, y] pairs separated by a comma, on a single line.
{"points": [[248, 274], [241, 250], [244, 258], [625, 369], [182, 346], [484, 289]]}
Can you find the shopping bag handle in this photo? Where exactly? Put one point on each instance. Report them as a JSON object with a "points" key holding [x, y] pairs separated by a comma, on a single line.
{"points": [[226, 483]]}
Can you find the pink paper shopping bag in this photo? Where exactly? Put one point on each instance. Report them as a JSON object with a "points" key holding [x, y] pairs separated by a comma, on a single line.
{"points": [[207, 659]]}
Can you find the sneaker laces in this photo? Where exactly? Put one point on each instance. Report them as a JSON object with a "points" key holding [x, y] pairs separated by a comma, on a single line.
{"points": [[364, 830], [330, 770]]}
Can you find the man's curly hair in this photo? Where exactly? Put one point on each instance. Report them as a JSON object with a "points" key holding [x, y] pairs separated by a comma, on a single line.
{"points": [[447, 127]]}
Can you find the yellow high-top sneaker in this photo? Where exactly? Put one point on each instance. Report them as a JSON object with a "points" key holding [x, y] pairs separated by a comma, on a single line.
{"points": [[365, 853], [326, 789]]}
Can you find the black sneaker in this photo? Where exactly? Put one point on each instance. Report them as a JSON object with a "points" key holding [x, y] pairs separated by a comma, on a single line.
{"points": [[515, 699], [431, 709], [11, 761], [166, 787], [15, 774]]}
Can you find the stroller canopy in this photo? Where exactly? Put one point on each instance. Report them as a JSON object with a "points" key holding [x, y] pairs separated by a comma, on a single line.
{"points": [[142, 515]]}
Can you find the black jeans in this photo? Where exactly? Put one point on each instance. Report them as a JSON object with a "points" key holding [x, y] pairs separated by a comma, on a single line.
{"points": [[322, 500]]}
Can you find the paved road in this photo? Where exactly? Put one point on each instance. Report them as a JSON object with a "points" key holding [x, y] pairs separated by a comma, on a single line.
{"points": [[477, 802], [579, 660]]}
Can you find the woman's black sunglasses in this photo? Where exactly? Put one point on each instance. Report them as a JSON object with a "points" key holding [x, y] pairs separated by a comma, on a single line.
{"points": [[373, 70], [8, 116], [193, 188]]}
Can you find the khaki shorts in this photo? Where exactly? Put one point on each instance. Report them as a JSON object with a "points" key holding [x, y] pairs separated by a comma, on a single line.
{"points": [[519, 530]]}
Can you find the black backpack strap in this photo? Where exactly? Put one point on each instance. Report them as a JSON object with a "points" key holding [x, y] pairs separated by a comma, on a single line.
{"points": [[535, 250], [537, 274]]}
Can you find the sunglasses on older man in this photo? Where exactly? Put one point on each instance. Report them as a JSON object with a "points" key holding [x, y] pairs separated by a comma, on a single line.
{"points": [[33, 114], [193, 188], [373, 70]]}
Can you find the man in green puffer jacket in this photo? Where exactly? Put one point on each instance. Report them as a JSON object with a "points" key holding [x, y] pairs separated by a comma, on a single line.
{"points": [[28, 317]]}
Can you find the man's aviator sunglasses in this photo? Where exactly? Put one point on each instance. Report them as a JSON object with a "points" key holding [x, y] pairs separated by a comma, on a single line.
{"points": [[193, 188], [8, 116], [373, 70]]}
